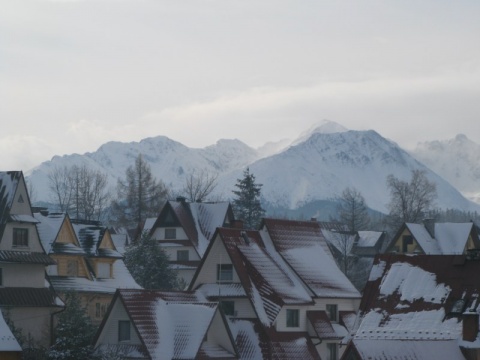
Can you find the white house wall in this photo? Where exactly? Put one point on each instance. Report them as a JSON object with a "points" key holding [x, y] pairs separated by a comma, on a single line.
{"points": [[217, 334], [109, 333], [217, 255], [23, 275], [34, 322], [33, 241], [21, 208]]}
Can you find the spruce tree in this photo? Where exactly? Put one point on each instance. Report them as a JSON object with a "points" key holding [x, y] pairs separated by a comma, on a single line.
{"points": [[246, 205], [74, 332], [149, 265]]}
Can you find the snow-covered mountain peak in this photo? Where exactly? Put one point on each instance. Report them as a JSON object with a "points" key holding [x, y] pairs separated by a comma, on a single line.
{"points": [[323, 127]]}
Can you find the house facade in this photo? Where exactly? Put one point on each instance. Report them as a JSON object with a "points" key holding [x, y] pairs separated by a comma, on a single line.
{"points": [[280, 289], [151, 324], [183, 230], [86, 261], [26, 296], [432, 238]]}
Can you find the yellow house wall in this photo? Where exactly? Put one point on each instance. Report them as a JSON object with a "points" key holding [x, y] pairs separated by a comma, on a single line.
{"points": [[398, 245], [62, 264]]}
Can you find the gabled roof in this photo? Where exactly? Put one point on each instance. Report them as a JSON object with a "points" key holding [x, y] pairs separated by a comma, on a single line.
{"points": [[121, 279], [304, 248], [413, 297], [323, 327], [165, 325], [29, 297], [267, 280], [449, 238], [9, 181], [255, 342], [48, 227], [198, 220], [90, 235], [369, 238]]}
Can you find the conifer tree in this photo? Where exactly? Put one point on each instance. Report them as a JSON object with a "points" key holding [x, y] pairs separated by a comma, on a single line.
{"points": [[246, 205], [74, 332], [149, 265]]}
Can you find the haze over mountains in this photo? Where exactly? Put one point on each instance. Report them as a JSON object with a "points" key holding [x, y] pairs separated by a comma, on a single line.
{"points": [[316, 166]]}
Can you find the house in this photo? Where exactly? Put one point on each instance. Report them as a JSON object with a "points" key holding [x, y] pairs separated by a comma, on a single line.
{"points": [[419, 307], [184, 230], [25, 293], [152, 324], [86, 261], [353, 251], [435, 238], [280, 288], [10, 349]]}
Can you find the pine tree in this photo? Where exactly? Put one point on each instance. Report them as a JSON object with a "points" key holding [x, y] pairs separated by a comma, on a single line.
{"points": [[149, 265], [74, 332], [247, 205], [140, 195]]}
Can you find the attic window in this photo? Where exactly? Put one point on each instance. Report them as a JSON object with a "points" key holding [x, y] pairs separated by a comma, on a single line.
{"points": [[170, 233], [123, 330], [20, 237], [407, 240], [224, 272], [20, 199], [332, 311], [293, 318]]}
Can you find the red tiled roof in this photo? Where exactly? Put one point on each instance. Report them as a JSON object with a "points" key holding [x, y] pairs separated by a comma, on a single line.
{"points": [[184, 315], [267, 280], [322, 325]]}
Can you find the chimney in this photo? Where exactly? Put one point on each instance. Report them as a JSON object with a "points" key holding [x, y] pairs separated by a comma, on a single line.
{"points": [[313, 219], [237, 224], [245, 237], [181, 199], [430, 226], [470, 325]]}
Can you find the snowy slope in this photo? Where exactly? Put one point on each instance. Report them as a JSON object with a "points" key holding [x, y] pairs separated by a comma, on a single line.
{"points": [[323, 165], [318, 166], [456, 160]]}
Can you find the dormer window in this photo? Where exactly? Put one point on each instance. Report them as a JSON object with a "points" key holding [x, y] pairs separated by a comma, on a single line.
{"points": [[20, 237], [170, 233], [458, 307]]}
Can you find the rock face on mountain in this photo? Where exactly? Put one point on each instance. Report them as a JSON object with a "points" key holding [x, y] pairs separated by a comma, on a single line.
{"points": [[457, 160], [316, 166]]}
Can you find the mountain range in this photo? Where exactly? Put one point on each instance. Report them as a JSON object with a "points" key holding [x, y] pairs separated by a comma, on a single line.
{"points": [[315, 167]]}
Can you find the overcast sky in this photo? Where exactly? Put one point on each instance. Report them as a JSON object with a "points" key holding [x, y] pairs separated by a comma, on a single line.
{"points": [[77, 74]]}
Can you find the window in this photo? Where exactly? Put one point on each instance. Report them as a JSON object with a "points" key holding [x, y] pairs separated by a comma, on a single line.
{"points": [[293, 318], [103, 270], [100, 310], [407, 240], [1, 277], [332, 351], [20, 237], [72, 268], [332, 312], [20, 199], [225, 272], [123, 330], [170, 233], [182, 255], [228, 307]]}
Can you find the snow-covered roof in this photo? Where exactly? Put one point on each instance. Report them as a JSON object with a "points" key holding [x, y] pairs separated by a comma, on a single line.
{"points": [[122, 279], [90, 235], [341, 241], [164, 322], [255, 342], [368, 238], [324, 328], [48, 227], [385, 349], [267, 280], [212, 291], [198, 220], [8, 342], [450, 238], [303, 246], [410, 299]]}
